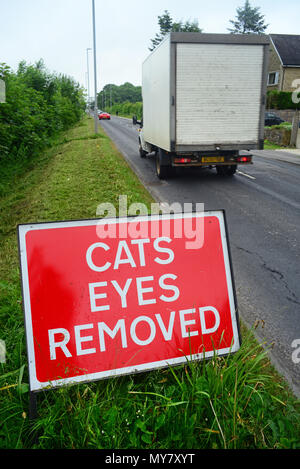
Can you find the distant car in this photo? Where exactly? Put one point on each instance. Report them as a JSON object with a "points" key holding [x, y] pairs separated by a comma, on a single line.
{"points": [[272, 119], [104, 115]]}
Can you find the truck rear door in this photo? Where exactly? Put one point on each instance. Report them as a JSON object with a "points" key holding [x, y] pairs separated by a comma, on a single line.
{"points": [[218, 94]]}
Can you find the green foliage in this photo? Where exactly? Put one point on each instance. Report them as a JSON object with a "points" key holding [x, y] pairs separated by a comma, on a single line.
{"points": [[248, 20], [128, 109], [281, 100], [124, 100], [38, 106], [113, 94], [166, 25]]}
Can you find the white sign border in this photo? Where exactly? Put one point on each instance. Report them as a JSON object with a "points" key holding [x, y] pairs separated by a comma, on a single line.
{"points": [[23, 229]]}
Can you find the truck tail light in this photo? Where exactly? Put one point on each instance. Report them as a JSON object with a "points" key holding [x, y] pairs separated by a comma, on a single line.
{"points": [[182, 160], [244, 159]]}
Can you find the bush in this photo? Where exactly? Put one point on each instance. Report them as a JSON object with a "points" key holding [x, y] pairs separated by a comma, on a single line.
{"points": [[38, 106], [128, 109], [281, 100]]}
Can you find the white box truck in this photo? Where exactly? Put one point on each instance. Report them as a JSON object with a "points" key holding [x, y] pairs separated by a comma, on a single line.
{"points": [[204, 101]]}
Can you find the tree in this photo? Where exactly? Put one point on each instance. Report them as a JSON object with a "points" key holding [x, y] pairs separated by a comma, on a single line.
{"points": [[112, 94], [37, 77], [248, 20], [166, 25]]}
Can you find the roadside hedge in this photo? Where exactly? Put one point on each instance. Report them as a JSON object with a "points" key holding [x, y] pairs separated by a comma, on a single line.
{"points": [[127, 109], [38, 105], [281, 100]]}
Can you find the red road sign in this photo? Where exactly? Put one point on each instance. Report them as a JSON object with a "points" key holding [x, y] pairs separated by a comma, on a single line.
{"points": [[111, 297]]}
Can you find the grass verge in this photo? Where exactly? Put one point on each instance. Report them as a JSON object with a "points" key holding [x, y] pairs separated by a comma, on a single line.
{"points": [[272, 146], [228, 402]]}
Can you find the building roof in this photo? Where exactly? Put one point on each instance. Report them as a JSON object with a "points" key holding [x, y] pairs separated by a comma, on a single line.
{"points": [[288, 48]]}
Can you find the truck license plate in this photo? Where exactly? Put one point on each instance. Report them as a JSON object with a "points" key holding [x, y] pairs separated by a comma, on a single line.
{"points": [[212, 159]]}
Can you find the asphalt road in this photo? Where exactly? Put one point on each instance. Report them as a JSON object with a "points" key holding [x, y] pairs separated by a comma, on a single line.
{"points": [[262, 204]]}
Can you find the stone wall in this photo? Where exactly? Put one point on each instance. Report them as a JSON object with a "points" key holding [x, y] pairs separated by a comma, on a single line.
{"points": [[279, 136]]}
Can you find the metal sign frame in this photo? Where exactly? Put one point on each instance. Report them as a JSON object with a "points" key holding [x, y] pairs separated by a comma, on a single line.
{"points": [[23, 229]]}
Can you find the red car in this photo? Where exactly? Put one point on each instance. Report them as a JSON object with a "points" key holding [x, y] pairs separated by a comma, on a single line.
{"points": [[104, 115]]}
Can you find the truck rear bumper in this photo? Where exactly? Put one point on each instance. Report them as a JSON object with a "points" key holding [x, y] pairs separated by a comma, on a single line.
{"points": [[222, 147], [217, 160]]}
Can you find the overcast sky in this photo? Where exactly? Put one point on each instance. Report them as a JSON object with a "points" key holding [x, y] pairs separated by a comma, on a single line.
{"points": [[60, 31]]}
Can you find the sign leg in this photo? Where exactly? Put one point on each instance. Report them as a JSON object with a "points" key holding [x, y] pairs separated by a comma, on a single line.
{"points": [[32, 406]]}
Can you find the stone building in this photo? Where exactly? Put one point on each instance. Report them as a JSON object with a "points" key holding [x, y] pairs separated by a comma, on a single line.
{"points": [[284, 62]]}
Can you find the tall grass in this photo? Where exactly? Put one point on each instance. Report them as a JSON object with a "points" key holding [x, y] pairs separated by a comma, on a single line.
{"points": [[224, 403]]}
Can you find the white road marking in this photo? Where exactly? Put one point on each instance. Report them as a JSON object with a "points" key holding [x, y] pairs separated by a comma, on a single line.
{"points": [[246, 175]]}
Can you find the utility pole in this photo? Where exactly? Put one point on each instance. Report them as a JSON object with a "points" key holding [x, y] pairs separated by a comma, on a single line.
{"points": [[95, 70], [295, 128], [88, 74]]}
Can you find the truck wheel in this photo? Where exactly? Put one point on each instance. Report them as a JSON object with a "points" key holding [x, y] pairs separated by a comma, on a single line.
{"points": [[162, 171], [226, 170]]}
